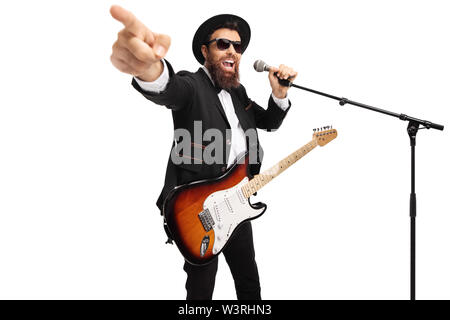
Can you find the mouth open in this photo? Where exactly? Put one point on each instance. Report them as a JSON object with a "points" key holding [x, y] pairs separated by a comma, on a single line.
{"points": [[228, 65]]}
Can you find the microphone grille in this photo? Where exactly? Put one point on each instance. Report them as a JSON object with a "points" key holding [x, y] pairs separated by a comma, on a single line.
{"points": [[259, 65]]}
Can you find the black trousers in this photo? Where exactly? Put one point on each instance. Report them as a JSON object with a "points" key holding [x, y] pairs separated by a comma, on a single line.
{"points": [[240, 256]]}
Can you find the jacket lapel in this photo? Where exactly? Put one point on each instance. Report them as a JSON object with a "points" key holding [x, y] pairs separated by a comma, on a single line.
{"points": [[239, 110]]}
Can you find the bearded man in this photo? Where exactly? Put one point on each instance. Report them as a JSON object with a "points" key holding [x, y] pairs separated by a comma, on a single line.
{"points": [[214, 97]]}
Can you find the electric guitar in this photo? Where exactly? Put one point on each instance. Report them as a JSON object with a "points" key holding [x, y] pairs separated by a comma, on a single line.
{"points": [[202, 216]]}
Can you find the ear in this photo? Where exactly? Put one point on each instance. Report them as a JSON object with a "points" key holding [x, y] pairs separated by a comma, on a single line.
{"points": [[204, 51]]}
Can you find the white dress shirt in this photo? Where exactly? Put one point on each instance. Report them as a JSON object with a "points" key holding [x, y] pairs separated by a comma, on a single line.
{"points": [[238, 142]]}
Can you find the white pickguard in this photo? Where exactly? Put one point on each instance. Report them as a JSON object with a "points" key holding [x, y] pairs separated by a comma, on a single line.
{"points": [[228, 208]]}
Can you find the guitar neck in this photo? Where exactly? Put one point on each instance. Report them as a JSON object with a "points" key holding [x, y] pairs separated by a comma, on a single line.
{"points": [[260, 180]]}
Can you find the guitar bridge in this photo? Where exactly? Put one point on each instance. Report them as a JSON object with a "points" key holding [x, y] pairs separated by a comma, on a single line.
{"points": [[206, 219]]}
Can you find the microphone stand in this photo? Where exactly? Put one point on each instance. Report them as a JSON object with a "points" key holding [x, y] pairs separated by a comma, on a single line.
{"points": [[412, 129]]}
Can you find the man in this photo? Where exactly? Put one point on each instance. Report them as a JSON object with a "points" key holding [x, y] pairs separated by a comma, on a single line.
{"points": [[214, 97]]}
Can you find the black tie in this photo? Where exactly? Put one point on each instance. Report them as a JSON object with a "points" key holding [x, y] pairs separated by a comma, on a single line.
{"points": [[218, 89]]}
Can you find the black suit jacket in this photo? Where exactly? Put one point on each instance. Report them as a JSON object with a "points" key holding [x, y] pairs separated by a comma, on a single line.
{"points": [[193, 97]]}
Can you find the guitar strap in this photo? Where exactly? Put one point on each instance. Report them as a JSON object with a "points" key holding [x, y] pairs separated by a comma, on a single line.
{"points": [[169, 235]]}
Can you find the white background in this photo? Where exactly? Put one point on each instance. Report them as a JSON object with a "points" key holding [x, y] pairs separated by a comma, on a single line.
{"points": [[83, 155]]}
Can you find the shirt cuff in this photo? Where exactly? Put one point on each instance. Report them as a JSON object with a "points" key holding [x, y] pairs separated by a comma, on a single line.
{"points": [[159, 84], [281, 103]]}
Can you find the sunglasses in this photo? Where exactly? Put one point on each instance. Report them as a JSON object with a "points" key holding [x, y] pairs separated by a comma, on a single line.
{"points": [[224, 44]]}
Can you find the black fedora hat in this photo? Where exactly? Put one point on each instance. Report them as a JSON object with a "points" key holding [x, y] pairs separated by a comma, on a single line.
{"points": [[214, 23]]}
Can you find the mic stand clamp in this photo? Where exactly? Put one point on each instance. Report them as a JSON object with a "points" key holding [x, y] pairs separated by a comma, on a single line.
{"points": [[343, 101]]}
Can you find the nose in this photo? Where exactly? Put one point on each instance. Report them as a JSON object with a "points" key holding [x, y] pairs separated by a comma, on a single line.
{"points": [[231, 49]]}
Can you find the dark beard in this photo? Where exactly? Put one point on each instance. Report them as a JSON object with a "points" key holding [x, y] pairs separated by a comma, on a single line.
{"points": [[223, 79]]}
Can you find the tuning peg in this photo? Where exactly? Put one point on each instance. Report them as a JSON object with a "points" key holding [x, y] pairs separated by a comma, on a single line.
{"points": [[314, 130]]}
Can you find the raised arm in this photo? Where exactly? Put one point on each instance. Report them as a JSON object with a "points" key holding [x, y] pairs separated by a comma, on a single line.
{"points": [[272, 117]]}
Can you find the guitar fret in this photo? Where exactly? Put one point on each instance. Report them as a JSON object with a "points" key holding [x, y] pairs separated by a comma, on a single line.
{"points": [[252, 186]]}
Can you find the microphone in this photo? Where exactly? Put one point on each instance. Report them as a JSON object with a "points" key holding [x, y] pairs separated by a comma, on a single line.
{"points": [[261, 66]]}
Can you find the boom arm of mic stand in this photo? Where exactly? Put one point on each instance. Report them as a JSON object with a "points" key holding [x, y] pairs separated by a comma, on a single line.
{"points": [[343, 101]]}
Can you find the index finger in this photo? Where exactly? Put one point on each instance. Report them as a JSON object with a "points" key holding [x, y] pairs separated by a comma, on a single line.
{"points": [[273, 70], [128, 19]]}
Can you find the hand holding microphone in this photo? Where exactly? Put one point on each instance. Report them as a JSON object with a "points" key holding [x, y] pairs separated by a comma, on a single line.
{"points": [[280, 78]]}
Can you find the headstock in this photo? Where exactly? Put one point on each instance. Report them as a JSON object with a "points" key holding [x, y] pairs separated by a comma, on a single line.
{"points": [[324, 135]]}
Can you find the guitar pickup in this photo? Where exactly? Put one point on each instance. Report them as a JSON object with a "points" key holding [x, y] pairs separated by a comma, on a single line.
{"points": [[206, 220]]}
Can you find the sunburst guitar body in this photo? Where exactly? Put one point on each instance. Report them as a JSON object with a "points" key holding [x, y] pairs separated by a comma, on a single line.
{"points": [[202, 216]]}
